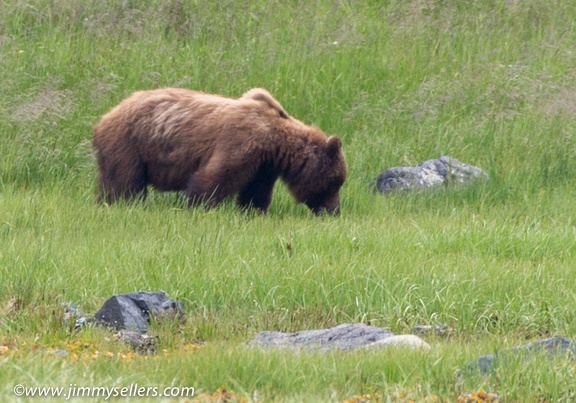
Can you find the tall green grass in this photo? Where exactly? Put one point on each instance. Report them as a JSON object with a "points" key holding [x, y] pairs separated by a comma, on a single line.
{"points": [[491, 83]]}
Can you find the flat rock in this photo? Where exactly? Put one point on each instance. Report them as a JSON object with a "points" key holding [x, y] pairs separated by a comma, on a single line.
{"points": [[553, 346], [435, 173], [402, 340], [347, 336], [133, 311]]}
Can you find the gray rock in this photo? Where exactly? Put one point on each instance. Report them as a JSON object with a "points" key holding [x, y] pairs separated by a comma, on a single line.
{"points": [[553, 346], [444, 171], [133, 311], [347, 336]]}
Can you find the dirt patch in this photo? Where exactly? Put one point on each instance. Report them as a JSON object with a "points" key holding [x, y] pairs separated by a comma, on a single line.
{"points": [[54, 104], [561, 103]]}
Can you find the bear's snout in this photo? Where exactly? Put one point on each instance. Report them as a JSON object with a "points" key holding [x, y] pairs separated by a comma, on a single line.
{"points": [[329, 206]]}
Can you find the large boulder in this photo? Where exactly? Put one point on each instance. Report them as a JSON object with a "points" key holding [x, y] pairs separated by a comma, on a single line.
{"points": [[444, 171]]}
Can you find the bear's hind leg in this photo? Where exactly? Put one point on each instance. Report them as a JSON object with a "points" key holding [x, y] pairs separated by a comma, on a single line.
{"points": [[202, 190], [211, 184]]}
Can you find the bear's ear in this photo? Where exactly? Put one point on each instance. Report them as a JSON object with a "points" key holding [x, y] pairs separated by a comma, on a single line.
{"points": [[333, 146]]}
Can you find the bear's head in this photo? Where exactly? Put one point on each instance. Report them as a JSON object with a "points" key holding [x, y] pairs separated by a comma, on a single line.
{"points": [[322, 177]]}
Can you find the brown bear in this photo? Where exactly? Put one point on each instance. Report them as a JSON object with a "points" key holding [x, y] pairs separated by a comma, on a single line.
{"points": [[211, 147]]}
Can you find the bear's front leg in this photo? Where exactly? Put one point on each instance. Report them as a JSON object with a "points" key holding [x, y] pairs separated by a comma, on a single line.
{"points": [[121, 178], [257, 193]]}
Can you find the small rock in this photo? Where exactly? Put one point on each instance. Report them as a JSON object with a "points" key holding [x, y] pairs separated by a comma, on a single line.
{"points": [[72, 312], [402, 340], [141, 342], [438, 330], [435, 173]]}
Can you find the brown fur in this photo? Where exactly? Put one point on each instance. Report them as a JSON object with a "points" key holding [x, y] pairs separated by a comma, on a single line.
{"points": [[211, 147]]}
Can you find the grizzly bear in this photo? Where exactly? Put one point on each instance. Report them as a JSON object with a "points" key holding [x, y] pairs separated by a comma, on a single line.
{"points": [[211, 146]]}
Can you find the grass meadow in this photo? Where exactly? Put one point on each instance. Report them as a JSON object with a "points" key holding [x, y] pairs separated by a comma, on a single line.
{"points": [[492, 83]]}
